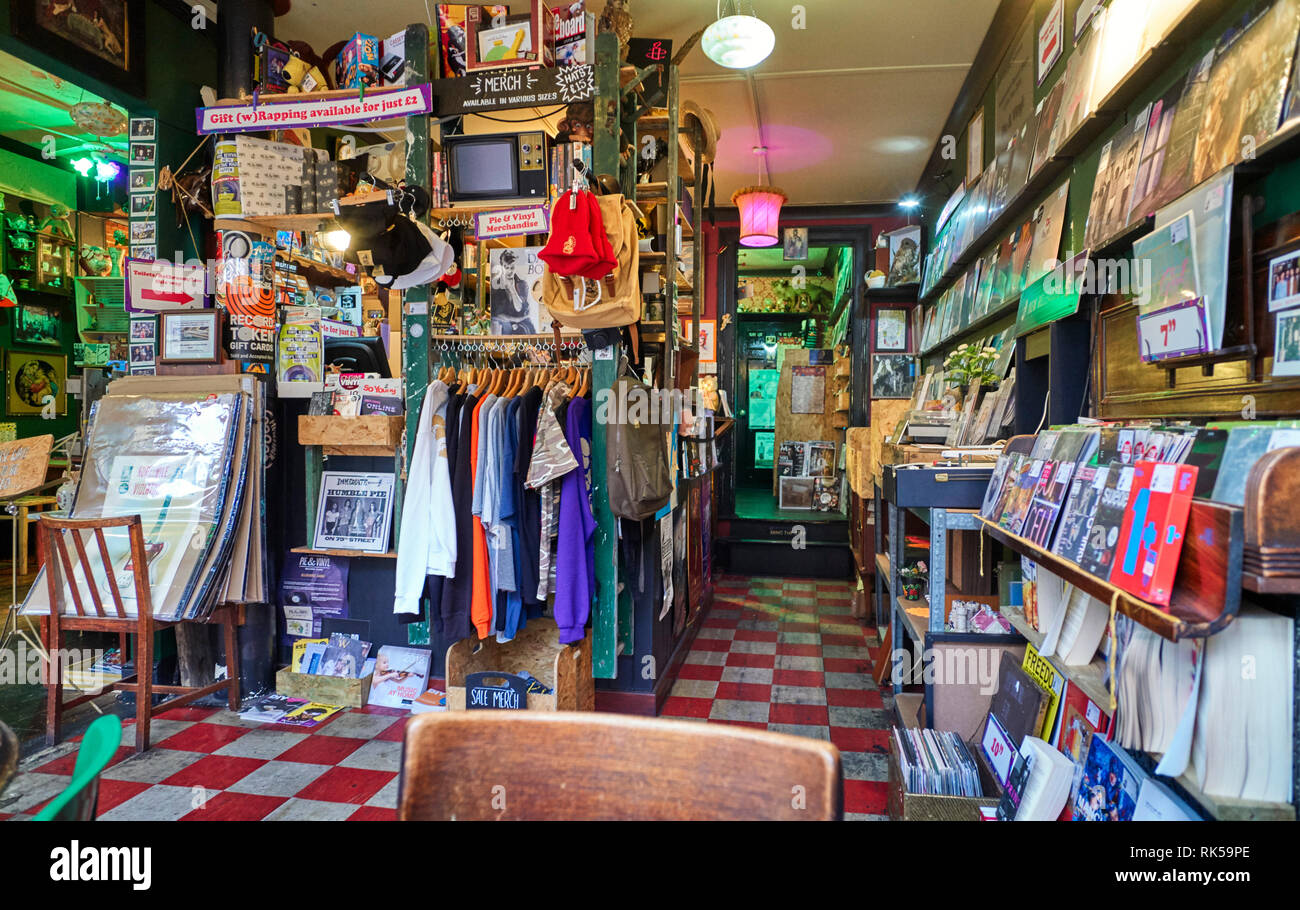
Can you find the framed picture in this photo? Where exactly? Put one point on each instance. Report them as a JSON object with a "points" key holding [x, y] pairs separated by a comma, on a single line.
{"points": [[708, 338], [143, 232], [797, 493], [796, 243], [189, 336], [144, 180], [975, 147], [892, 375], [143, 330], [106, 38], [143, 154], [891, 329], [142, 205], [1286, 350], [144, 253], [35, 382], [1284, 281], [904, 256], [39, 325], [142, 354], [144, 129]]}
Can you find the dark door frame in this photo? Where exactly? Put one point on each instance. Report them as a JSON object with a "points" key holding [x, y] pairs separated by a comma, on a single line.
{"points": [[859, 238]]}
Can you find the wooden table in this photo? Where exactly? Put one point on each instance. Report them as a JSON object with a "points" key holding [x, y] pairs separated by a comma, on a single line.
{"points": [[26, 505]]}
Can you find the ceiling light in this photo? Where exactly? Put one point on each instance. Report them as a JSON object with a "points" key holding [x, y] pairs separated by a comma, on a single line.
{"points": [[909, 203], [738, 41], [760, 213]]}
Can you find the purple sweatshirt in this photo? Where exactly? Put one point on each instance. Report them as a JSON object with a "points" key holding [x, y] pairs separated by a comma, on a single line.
{"points": [[575, 576]]}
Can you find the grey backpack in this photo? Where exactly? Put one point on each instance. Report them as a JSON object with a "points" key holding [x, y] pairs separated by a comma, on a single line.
{"points": [[638, 474]]}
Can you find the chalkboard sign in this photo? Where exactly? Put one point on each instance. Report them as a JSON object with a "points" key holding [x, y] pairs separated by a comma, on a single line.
{"points": [[23, 463], [493, 690], [505, 89]]}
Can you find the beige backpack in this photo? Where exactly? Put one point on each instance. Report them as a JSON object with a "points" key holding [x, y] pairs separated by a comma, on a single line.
{"points": [[616, 299]]}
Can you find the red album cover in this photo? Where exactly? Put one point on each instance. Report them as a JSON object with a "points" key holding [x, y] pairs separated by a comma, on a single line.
{"points": [[1080, 717], [1151, 535]]}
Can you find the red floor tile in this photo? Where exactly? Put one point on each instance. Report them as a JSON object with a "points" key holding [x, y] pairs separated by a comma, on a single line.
{"points": [[235, 807], [751, 660], [798, 678], [815, 715], [215, 772], [847, 665], [397, 732], [187, 713], [700, 671], [65, 763], [346, 785], [733, 691], [849, 640], [792, 650], [712, 644], [720, 622], [202, 737], [322, 750], [854, 698], [373, 814], [866, 796], [681, 706], [756, 725], [754, 635], [384, 710], [112, 793], [800, 627]]}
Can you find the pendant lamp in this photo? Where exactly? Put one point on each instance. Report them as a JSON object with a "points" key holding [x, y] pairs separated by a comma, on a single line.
{"points": [[739, 40], [760, 213]]}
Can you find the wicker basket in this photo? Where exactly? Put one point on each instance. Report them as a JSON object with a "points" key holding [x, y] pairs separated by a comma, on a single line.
{"points": [[920, 807]]}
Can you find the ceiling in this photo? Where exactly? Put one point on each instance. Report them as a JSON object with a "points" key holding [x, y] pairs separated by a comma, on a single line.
{"points": [[34, 104], [772, 259], [851, 104]]}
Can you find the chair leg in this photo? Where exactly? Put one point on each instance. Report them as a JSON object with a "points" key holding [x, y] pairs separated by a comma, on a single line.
{"points": [[232, 660], [53, 681], [144, 678]]}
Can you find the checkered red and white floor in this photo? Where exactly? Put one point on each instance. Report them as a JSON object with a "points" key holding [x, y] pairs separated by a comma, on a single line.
{"points": [[776, 654]]}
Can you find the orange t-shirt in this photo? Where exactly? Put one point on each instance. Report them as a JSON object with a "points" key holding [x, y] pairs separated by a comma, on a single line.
{"points": [[480, 610]]}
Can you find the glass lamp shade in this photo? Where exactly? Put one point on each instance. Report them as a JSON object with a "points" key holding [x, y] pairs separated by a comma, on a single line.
{"points": [[760, 213], [738, 42]]}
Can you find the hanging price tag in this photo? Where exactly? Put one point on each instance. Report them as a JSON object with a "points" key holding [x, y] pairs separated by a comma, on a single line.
{"points": [[1174, 331]]}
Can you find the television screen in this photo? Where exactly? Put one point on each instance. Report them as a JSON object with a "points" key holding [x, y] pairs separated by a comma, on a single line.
{"points": [[483, 169]]}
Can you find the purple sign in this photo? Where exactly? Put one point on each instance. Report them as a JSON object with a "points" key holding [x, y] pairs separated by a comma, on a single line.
{"points": [[312, 586]]}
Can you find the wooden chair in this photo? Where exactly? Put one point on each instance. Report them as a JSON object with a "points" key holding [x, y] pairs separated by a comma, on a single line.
{"points": [[538, 765], [90, 615]]}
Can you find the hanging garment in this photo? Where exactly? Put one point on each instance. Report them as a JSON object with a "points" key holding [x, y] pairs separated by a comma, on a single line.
{"points": [[481, 600], [528, 502], [575, 581], [457, 592], [436, 584], [427, 543], [552, 459]]}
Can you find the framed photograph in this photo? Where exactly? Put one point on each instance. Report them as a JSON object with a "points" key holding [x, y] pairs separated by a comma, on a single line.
{"points": [[144, 129], [797, 493], [143, 232], [106, 38], [892, 375], [35, 382], [904, 256], [142, 354], [189, 336], [891, 329], [355, 511], [708, 338], [142, 205], [143, 154], [795, 243], [1286, 349], [1284, 281], [38, 325], [143, 330], [144, 180], [975, 147], [515, 292], [144, 253]]}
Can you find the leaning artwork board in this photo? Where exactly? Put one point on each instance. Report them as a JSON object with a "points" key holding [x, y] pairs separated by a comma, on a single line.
{"points": [[792, 427], [23, 463]]}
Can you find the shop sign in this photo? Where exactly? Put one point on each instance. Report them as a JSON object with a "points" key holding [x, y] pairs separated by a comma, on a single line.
{"points": [[1052, 297], [501, 90], [162, 285], [1178, 330], [299, 110], [511, 222], [493, 690]]}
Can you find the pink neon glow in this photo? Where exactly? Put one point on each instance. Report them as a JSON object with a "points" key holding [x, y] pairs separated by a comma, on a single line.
{"points": [[760, 212]]}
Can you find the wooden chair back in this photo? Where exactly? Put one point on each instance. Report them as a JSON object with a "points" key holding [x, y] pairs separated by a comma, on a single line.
{"points": [[60, 572], [532, 765]]}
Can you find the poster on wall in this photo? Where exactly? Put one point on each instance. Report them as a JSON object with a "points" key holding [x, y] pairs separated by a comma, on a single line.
{"points": [[106, 37], [708, 338], [892, 375], [516, 291], [808, 390], [354, 512], [37, 384], [891, 329], [313, 586]]}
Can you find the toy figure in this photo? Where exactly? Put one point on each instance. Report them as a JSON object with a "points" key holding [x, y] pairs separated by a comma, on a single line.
{"points": [[59, 221]]}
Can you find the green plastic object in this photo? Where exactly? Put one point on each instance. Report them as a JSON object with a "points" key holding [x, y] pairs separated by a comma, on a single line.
{"points": [[77, 801]]}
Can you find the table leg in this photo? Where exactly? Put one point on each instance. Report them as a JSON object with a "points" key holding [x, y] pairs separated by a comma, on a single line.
{"points": [[21, 518]]}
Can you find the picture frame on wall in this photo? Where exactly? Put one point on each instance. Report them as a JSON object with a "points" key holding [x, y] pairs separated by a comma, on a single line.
{"points": [[1286, 346], [31, 379], [144, 129], [893, 375], [796, 493], [794, 243], [1284, 281], [975, 147], [143, 154], [107, 42], [144, 180], [891, 329], [142, 205], [37, 325], [190, 336]]}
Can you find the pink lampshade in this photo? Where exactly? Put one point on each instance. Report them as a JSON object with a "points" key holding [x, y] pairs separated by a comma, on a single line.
{"points": [[760, 213]]}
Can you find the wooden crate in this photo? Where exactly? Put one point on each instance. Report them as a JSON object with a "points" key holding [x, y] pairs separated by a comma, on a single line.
{"points": [[564, 668], [373, 434], [920, 807], [327, 690]]}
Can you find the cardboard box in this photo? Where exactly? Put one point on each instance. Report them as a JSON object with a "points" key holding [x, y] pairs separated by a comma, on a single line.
{"points": [[326, 690], [358, 63], [523, 39]]}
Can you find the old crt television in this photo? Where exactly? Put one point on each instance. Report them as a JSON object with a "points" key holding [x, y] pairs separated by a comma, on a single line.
{"points": [[497, 166]]}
